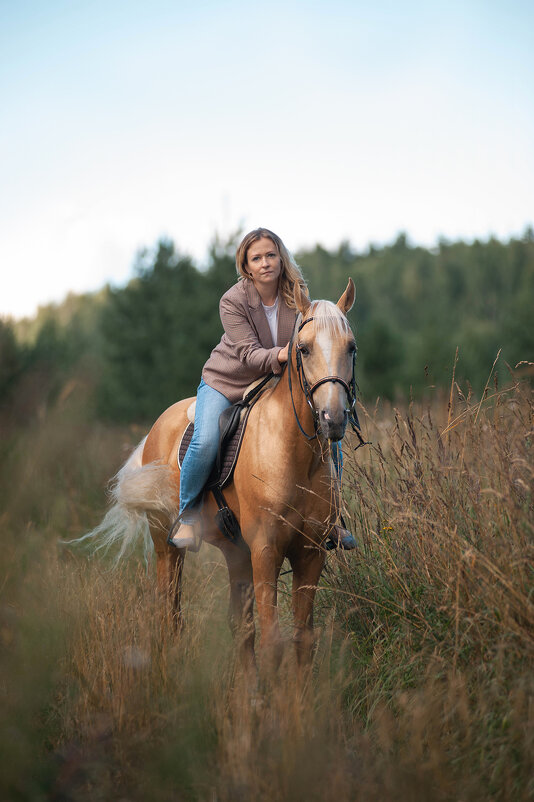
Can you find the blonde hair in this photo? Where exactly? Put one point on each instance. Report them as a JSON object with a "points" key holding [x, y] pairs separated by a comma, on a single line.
{"points": [[290, 271]]}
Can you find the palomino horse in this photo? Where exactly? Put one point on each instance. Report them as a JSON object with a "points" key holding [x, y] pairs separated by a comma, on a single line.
{"points": [[284, 490]]}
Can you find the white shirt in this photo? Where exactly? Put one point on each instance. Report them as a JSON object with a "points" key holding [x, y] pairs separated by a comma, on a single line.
{"points": [[271, 313]]}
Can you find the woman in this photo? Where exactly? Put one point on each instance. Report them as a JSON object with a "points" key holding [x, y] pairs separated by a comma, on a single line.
{"points": [[258, 315]]}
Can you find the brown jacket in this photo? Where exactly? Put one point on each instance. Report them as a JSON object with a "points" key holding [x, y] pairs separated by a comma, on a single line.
{"points": [[246, 350]]}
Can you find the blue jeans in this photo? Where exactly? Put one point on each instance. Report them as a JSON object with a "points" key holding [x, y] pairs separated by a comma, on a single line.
{"points": [[202, 451]]}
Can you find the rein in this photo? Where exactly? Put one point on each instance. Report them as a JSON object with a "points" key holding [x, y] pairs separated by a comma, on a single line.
{"points": [[350, 389]]}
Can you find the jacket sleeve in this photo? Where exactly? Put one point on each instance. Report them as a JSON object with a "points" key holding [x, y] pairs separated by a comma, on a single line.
{"points": [[244, 339]]}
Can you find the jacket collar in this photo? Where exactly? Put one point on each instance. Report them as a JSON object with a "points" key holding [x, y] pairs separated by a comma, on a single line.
{"points": [[286, 317], [286, 322], [253, 296]]}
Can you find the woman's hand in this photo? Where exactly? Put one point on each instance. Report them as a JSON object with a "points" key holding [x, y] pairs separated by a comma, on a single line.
{"points": [[283, 354]]}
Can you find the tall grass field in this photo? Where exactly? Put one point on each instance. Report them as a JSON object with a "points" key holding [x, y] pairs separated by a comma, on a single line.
{"points": [[422, 685]]}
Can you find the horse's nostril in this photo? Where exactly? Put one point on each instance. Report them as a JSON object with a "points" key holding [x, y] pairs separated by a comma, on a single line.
{"points": [[336, 418]]}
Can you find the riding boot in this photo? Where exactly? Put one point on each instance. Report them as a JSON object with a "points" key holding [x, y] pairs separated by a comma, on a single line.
{"points": [[340, 537], [187, 537]]}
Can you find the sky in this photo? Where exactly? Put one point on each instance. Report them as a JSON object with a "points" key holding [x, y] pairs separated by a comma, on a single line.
{"points": [[125, 122]]}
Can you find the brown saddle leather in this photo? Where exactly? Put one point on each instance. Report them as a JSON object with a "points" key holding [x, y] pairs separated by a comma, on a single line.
{"points": [[232, 424], [229, 446]]}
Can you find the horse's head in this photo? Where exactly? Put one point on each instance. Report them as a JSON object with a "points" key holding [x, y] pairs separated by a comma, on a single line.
{"points": [[325, 350]]}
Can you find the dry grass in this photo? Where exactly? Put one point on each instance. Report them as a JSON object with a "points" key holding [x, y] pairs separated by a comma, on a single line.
{"points": [[422, 682]]}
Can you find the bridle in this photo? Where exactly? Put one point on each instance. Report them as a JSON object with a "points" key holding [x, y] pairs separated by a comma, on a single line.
{"points": [[308, 390]]}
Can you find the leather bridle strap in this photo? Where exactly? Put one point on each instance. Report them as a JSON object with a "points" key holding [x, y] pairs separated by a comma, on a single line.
{"points": [[326, 379], [308, 391], [289, 366]]}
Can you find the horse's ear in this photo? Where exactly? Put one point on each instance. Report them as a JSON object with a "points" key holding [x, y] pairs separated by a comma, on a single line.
{"points": [[346, 301], [302, 301]]}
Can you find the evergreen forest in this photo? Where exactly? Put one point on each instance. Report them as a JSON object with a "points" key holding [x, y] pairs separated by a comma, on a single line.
{"points": [[138, 348]]}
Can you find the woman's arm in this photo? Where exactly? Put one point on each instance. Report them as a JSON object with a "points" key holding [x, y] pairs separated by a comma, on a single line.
{"points": [[244, 339]]}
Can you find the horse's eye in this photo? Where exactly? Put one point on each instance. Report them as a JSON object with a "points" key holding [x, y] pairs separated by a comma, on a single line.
{"points": [[352, 349], [304, 350]]}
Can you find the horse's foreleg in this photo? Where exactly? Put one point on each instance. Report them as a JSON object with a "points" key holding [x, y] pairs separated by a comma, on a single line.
{"points": [[241, 612], [307, 564], [266, 563]]}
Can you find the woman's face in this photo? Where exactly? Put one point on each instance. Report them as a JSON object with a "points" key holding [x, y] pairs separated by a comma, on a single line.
{"points": [[263, 263]]}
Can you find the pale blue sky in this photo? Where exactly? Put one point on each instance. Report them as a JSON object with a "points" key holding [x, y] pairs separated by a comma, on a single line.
{"points": [[125, 121]]}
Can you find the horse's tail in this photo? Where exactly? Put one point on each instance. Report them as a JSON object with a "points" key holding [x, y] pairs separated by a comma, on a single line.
{"points": [[136, 492]]}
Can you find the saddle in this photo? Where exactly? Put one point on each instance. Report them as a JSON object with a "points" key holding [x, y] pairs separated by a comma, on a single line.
{"points": [[232, 424]]}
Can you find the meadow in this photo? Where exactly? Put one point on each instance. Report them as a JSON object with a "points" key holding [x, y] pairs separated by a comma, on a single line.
{"points": [[422, 683]]}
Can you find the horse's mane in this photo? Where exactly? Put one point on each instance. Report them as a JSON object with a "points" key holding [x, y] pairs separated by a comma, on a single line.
{"points": [[327, 316]]}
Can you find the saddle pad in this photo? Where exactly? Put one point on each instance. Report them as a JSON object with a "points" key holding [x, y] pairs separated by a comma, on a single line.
{"points": [[229, 457]]}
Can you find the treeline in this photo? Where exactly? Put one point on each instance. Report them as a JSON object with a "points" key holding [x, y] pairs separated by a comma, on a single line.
{"points": [[138, 348]]}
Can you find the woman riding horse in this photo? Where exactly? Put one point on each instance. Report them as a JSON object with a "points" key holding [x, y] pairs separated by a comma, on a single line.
{"points": [[285, 489], [258, 316]]}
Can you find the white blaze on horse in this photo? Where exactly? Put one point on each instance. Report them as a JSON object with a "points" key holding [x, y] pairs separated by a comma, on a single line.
{"points": [[284, 491]]}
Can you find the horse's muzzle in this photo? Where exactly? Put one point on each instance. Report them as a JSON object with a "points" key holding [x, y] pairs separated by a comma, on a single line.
{"points": [[333, 424]]}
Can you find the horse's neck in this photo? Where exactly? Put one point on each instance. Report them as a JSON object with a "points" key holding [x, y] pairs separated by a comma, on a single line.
{"points": [[309, 451]]}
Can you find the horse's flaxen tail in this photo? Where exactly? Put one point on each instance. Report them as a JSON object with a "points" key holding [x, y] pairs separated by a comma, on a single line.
{"points": [[136, 492]]}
